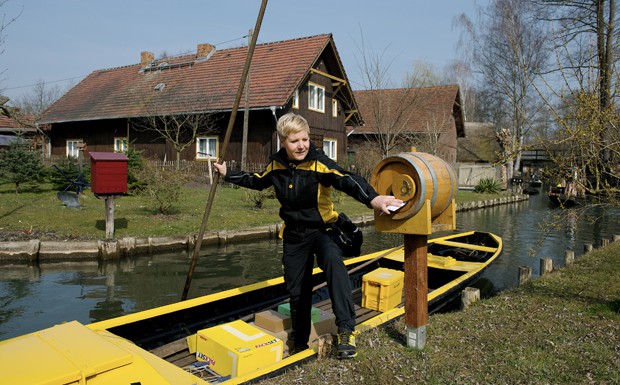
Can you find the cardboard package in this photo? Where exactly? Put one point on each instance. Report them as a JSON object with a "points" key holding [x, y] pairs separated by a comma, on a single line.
{"points": [[237, 348]]}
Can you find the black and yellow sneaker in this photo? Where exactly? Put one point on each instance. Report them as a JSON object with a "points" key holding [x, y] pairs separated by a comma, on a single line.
{"points": [[346, 345]]}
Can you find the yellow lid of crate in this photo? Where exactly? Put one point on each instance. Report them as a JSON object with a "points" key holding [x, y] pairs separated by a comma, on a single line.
{"points": [[384, 276]]}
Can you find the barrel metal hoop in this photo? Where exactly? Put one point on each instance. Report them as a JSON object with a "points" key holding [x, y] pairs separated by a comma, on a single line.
{"points": [[422, 188], [433, 176], [453, 184]]}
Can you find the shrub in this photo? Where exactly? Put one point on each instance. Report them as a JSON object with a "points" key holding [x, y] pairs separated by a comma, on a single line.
{"points": [[162, 186], [67, 175], [18, 164], [259, 197], [135, 168], [487, 186]]}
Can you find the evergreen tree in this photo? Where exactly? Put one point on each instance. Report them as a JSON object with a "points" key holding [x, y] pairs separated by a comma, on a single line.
{"points": [[18, 164]]}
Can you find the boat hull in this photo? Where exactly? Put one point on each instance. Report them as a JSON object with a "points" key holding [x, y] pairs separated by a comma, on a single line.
{"points": [[159, 337]]}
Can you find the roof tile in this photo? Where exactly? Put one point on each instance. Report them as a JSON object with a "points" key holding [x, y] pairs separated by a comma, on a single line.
{"points": [[191, 83]]}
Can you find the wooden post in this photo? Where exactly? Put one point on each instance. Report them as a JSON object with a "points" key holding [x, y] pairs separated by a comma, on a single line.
{"points": [[416, 289], [616, 238], [525, 274], [546, 266], [469, 296], [569, 257], [587, 247], [109, 216], [604, 242]]}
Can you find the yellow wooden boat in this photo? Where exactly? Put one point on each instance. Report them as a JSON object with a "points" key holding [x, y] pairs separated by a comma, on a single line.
{"points": [[170, 344]]}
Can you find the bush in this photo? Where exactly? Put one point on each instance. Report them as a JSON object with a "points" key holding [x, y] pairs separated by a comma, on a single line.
{"points": [[66, 175], [162, 186], [487, 186], [258, 197], [135, 168]]}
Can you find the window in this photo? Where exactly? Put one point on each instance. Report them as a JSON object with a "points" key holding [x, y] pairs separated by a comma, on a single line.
{"points": [[316, 97], [120, 144], [73, 147], [334, 108], [206, 147], [330, 148], [296, 99]]}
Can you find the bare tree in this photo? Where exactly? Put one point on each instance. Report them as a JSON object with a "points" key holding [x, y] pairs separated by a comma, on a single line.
{"points": [[178, 129], [585, 105], [5, 21], [507, 48], [38, 99], [390, 109]]}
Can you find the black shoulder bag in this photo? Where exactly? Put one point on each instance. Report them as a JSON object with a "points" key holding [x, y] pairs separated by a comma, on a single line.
{"points": [[347, 236]]}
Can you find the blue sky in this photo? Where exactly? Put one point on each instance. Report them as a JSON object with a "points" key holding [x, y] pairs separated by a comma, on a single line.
{"points": [[54, 40]]}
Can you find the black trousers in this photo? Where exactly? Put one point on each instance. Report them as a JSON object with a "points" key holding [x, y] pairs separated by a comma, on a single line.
{"points": [[300, 246]]}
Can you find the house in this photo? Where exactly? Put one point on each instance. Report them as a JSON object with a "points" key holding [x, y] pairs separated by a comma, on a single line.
{"points": [[429, 119], [108, 109], [479, 144], [479, 154], [17, 124]]}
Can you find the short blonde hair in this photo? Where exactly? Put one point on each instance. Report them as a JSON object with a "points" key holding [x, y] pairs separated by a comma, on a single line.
{"points": [[291, 123]]}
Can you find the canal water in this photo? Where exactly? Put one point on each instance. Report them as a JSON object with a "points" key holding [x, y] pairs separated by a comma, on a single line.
{"points": [[32, 298]]}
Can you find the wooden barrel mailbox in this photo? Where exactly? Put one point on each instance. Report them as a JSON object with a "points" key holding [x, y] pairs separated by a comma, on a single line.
{"points": [[426, 183]]}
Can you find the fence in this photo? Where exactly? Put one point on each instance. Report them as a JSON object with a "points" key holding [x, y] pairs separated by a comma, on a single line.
{"points": [[205, 168]]}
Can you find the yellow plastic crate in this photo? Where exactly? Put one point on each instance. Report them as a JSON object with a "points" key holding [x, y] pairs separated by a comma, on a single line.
{"points": [[382, 289], [237, 348]]}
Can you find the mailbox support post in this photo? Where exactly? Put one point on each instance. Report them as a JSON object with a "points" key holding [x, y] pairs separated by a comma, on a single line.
{"points": [[109, 216], [416, 289]]}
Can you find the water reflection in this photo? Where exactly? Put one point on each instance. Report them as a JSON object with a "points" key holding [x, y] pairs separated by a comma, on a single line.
{"points": [[32, 298]]}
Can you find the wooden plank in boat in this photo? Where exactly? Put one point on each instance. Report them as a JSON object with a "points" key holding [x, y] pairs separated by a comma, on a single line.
{"points": [[170, 348], [467, 246]]}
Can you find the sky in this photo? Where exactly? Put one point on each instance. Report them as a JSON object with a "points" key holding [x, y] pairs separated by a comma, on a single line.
{"points": [[62, 41]]}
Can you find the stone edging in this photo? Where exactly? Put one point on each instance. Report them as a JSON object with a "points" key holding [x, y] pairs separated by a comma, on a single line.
{"points": [[36, 251]]}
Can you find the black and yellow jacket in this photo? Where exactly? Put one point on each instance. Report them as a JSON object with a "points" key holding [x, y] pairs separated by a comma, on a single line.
{"points": [[304, 188]]}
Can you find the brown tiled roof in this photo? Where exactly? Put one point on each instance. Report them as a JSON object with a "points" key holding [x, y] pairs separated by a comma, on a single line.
{"points": [[191, 83], [479, 145], [21, 123], [6, 122], [429, 107]]}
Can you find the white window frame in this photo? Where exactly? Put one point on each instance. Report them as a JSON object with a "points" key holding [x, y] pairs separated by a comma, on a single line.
{"points": [[210, 141], [334, 108], [296, 99], [120, 144], [73, 147], [330, 148], [316, 97]]}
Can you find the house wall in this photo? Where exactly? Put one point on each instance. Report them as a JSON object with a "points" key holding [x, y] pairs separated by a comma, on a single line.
{"points": [[262, 138]]}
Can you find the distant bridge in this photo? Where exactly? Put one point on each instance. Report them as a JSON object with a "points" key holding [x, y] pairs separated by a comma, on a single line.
{"points": [[538, 156]]}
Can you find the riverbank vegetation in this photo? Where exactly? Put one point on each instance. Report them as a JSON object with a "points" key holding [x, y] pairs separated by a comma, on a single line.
{"points": [[37, 213], [563, 328]]}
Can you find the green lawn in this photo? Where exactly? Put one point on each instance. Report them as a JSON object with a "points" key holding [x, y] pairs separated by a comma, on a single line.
{"points": [[39, 213]]}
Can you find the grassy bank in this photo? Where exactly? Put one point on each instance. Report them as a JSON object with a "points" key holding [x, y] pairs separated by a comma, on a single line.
{"points": [[563, 328], [38, 213]]}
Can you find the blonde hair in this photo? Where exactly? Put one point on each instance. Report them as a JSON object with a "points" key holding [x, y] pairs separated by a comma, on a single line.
{"points": [[291, 123]]}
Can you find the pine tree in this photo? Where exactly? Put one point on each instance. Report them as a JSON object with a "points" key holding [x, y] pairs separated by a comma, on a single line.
{"points": [[18, 164]]}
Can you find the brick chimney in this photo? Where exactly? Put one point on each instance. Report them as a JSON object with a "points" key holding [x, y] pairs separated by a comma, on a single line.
{"points": [[146, 57], [205, 49]]}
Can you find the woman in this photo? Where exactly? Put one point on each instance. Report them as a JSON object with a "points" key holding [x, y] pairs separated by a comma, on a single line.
{"points": [[303, 178]]}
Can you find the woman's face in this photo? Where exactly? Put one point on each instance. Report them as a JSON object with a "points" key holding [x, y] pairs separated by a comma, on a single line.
{"points": [[297, 145]]}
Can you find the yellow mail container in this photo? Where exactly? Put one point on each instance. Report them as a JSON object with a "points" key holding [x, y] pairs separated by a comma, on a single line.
{"points": [[237, 348], [382, 289]]}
